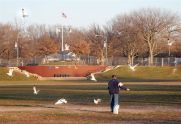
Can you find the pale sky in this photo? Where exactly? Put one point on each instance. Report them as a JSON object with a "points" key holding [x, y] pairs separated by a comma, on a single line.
{"points": [[80, 13]]}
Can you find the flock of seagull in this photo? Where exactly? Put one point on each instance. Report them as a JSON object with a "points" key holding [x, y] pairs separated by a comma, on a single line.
{"points": [[12, 69], [62, 100], [92, 77], [36, 91]]}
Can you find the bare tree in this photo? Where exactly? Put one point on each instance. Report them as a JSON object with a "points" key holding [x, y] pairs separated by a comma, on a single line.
{"points": [[130, 42], [7, 41], [47, 46], [152, 24], [96, 43], [78, 42]]}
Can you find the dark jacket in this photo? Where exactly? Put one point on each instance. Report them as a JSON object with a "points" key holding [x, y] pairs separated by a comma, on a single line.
{"points": [[114, 88]]}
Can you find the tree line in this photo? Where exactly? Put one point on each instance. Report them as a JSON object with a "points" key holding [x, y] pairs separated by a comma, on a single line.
{"points": [[145, 32]]}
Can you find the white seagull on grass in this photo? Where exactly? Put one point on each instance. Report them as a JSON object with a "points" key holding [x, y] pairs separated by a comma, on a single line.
{"points": [[108, 69], [117, 66], [10, 73], [174, 70], [61, 101], [170, 43], [133, 67], [27, 74], [56, 67], [35, 91], [92, 77], [75, 67], [96, 101]]}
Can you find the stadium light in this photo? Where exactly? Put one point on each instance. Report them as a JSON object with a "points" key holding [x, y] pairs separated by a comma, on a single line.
{"points": [[16, 45], [63, 16]]}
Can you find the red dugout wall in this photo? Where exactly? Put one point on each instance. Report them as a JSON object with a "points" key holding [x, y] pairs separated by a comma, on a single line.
{"points": [[66, 70]]}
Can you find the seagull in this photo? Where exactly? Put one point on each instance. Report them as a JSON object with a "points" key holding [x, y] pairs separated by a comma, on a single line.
{"points": [[75, 67], [24, 14], [92, 77], [27, 74], [133, 67], [108, 69], [61, 101], [67, 47], [170, 43], [174, 70], [117, 66], [175, 62], [56, 67], [10, 73], [35, 91], [96, 101]]}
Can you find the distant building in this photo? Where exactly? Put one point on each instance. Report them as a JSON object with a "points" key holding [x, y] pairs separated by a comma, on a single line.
{"points": [[63, 56]]}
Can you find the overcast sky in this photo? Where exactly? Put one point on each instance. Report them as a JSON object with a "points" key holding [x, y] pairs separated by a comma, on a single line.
{"points": [[80, 13]]}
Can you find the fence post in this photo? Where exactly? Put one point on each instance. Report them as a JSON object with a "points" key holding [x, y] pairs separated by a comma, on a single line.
{"points": [[162, 62]]}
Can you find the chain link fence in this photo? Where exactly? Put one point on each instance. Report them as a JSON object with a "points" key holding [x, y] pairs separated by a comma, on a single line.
{"points": [[87, 60]]}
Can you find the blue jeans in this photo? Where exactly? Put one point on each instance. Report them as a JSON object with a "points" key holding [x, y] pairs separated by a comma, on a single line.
{"points": [[113, 101]]}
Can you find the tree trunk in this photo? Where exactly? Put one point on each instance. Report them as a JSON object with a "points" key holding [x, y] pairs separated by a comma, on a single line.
{"points": [[102, 58], [129, 59], [151, 58], [132, 60]]}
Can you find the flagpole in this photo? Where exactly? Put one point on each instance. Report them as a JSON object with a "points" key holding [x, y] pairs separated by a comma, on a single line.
{"points": [[106, 50], [64, 16], [62, 39]]}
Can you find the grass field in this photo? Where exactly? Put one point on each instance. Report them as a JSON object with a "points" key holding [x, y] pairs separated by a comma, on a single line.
{"points": [[147, 102], [144, 73], [16, 76]]}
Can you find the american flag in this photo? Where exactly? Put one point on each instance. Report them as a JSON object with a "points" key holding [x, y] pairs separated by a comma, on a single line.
{"points": [[63, 15]]}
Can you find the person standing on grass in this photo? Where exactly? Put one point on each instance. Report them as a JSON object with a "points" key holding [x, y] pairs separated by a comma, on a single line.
{"points": [[114, 86]]}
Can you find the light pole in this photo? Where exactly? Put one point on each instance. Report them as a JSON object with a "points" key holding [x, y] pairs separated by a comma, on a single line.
{"points": [[105, 46], [62, 29], [24, 15], [169, 47], [62, 39], [58, 30], [63, 16], [17, 52]]}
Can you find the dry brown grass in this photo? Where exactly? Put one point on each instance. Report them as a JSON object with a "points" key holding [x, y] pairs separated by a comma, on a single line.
{"points": [[146, 103], [88, 115]]}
